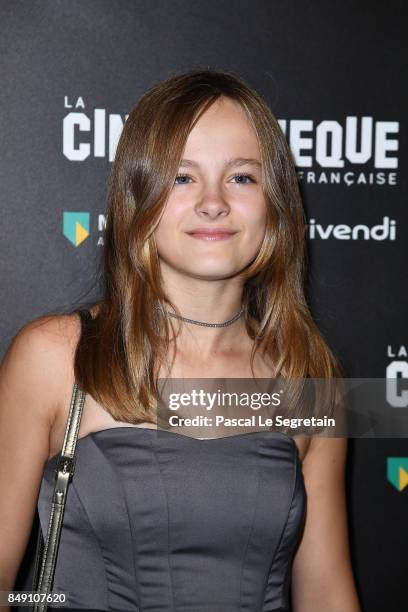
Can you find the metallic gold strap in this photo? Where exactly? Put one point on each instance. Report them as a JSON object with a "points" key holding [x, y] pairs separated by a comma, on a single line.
{"points": [[63, 476]]}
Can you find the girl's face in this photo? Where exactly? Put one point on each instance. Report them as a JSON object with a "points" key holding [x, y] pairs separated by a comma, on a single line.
{"points": [[214, 220]]}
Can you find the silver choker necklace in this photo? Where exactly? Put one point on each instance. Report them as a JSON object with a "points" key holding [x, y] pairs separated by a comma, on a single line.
{"points": [[203, 323]]}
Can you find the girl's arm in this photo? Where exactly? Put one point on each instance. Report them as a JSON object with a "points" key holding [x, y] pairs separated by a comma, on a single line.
{"points": [[30, 376], [322, 577]]}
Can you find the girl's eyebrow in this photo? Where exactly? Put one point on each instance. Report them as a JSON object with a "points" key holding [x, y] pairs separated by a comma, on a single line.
{"points": [[237, 161]]}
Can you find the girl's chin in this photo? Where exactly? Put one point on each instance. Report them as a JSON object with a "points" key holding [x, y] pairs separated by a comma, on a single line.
{"points": [[205, 270]]}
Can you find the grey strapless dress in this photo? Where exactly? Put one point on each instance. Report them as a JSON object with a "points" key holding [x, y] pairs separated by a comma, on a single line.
{"points": [[157, 521]]}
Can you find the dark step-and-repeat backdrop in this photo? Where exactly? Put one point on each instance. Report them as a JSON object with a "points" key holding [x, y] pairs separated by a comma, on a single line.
{"points": [[332, 73]]}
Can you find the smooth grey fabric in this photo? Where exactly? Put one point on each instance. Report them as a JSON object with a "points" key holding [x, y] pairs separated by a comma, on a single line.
{"points": [[156, 521]]}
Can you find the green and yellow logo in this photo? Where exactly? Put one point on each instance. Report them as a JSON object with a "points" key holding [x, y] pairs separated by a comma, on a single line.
{"points": [[75, 226], [397, 472]]}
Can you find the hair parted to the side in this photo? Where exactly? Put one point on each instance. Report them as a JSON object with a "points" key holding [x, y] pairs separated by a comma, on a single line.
{"points": [[118, 354]]}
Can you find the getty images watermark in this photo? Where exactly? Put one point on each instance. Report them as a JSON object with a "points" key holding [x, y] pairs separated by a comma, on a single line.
{"points": [[199, 398], [208, 408]]}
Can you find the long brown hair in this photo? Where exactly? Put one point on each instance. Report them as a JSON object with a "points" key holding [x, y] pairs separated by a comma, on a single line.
{"points": [[119, 351]]}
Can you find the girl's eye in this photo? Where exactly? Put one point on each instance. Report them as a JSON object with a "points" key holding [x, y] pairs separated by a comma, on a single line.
{"points": [[244, 176], [182, 176]]}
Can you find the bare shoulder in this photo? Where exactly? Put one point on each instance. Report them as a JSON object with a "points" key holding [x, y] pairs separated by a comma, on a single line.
{"points": [[47, 336], [39, 360]]}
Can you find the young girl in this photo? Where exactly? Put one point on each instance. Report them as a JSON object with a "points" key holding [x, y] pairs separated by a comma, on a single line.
{"points": [[203, 278]]}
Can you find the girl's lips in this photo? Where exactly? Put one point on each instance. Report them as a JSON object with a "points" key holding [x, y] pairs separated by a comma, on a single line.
{"points": [[213, 235]]}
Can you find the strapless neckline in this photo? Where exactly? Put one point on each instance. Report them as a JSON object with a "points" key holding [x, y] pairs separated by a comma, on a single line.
{"points": [[156, 519], [165, 432]]}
